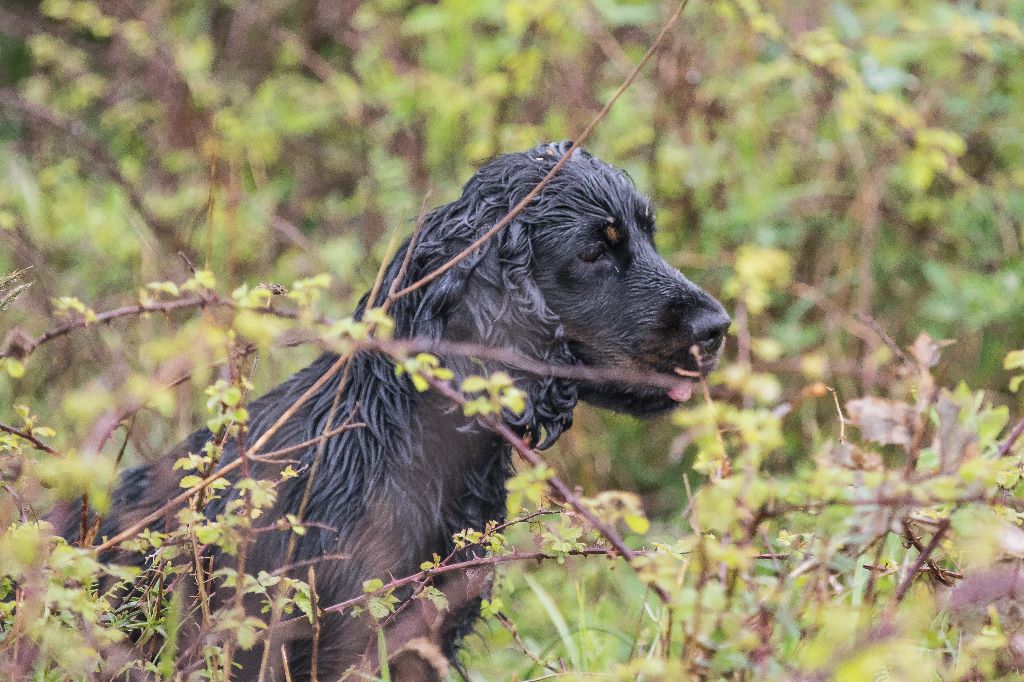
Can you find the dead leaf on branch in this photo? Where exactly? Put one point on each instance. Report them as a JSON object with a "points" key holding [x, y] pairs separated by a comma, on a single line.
{"points": [[953, 443], [926, 350], [849, 456], [888, 422], [17, 344]]}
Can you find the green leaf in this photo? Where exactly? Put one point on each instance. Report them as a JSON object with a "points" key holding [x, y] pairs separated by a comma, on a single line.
{"points": [[204, 279], [473, 384], [379, 608], [232, 396], [248, 632], [437, 598], [491, 607], [14, 368], [164, 287], [637, 524], [208, 535]]}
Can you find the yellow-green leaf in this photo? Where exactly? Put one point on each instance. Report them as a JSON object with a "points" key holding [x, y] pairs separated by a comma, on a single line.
{"points": [[14, 368], [637, 524]]}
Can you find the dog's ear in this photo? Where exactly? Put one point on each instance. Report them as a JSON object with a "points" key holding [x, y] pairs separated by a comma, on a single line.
{"points": [[490, 297], [536, 331]]}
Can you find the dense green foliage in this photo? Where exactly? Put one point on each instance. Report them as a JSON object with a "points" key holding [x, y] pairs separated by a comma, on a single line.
{"points": [[844, 175]]}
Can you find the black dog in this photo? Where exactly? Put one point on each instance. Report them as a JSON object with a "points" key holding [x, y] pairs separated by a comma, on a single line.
{"points": [[573, 280]]}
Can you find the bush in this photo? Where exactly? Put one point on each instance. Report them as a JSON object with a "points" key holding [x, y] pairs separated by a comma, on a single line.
{"points": [[844, 503]]}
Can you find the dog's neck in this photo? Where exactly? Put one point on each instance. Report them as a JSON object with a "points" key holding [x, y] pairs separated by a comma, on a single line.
{"points": [[456, 464], [467, 466]]}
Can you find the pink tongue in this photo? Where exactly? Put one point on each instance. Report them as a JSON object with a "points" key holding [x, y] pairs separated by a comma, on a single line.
{"points": [[681, 392]]}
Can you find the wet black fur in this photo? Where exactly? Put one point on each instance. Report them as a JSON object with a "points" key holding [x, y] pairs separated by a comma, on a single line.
{"points": [[552, 285]]}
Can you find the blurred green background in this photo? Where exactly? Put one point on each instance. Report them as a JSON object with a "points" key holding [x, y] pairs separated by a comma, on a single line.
{"points": [[812, 163]]}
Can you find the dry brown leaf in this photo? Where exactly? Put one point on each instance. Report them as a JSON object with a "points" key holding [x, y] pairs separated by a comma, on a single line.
{"points": [[953, 444], [926, 350], [849, 456], [889, 422]]}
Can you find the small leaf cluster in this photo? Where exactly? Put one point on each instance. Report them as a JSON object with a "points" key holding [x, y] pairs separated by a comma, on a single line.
{"points": [[421, 369], [498, 393]]}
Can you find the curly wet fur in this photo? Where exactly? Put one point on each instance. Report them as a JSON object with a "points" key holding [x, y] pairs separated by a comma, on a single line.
{"points": [[391, 494]]}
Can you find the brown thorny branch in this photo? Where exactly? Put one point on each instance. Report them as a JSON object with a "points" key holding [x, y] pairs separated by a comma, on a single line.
{"points": [[28, 436], [20, 345], [427, 574]]}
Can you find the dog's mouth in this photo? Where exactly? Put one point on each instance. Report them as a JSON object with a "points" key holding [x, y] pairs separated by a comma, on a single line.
{"points": [[681, 392], [686, 370], [701, 362]]}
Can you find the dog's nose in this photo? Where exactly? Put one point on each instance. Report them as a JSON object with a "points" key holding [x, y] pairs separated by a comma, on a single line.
{"points": [[709, 330]]}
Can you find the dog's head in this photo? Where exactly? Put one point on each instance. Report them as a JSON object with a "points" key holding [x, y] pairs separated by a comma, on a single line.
{"points": [[620, 303], [573, 279]]}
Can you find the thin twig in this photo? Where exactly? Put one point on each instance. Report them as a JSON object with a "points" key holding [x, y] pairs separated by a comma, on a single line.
{"points": [[209, 299], [89, 536], [284, 661], [839, 411], [25, 435], [107, 316], [476, 562], [526, 363], [913, 541], [204, 599], [1004, 448], [512, 630], [314, 605], [873, 324], [407, 261], [904, 586], [399, 347], [883, 571], [274, 454]]}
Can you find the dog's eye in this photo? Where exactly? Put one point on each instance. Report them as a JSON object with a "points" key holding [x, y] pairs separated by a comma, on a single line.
{"points": [[594, 253]]}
